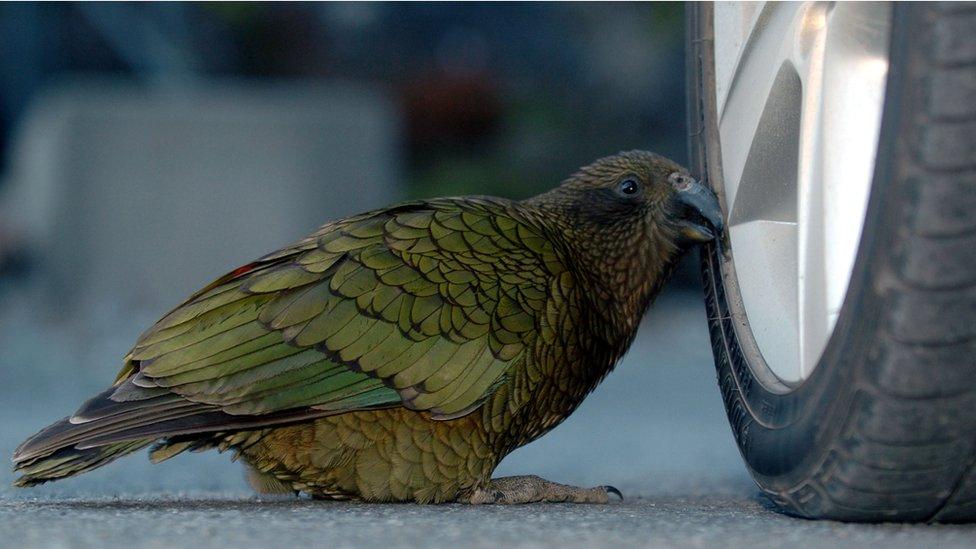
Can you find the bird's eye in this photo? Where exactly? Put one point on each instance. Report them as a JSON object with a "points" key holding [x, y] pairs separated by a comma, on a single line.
{"points": [[628, 187]]}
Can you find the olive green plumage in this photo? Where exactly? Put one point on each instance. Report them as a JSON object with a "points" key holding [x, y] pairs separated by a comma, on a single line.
{"points": [[398, 354]]}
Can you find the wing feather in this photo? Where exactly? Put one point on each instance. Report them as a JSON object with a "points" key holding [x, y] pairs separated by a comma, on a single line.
{"points": [[429, 306]]}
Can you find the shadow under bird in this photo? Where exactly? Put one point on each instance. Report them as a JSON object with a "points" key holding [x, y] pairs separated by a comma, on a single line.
{"points": [[400, 354]]}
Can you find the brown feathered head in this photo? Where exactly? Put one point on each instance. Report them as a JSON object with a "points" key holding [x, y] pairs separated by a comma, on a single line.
{"points": [[627, 218], [638, 188]]}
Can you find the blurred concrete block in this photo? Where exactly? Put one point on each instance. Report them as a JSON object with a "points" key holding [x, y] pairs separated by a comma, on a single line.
{"points": [[140, 198]]}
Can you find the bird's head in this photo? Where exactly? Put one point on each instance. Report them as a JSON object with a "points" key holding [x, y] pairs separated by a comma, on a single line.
{"points": [[626, 219], [637, 196]]}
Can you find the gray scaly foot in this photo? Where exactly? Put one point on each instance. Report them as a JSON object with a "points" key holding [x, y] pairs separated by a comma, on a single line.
{"points": [[533, 489]]}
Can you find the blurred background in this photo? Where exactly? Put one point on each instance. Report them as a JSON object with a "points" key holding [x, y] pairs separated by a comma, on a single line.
{"points": [[147, 148]]}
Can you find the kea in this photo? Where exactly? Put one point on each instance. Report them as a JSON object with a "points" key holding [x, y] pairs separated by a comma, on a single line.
{"points": [[400, 354]]}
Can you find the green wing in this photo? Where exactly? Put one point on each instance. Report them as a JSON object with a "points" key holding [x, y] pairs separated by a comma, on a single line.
{"points": [[427, 305]]}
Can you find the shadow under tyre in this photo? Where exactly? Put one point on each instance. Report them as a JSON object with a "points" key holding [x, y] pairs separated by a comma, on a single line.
{"points": [[877, 422]]}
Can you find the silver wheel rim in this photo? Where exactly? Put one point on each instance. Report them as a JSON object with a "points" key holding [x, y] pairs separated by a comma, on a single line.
{"points": [[799, 89]]}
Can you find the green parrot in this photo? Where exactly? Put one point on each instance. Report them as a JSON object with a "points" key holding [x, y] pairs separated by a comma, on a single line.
{"points": [[400, 354]]}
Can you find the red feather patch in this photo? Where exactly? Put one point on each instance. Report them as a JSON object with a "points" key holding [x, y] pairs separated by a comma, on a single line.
{"points": [[240, 271]]}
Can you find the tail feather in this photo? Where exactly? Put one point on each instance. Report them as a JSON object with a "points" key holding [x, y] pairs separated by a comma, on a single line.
{"points": [[123, 419], [69, 461], [102, 430]]}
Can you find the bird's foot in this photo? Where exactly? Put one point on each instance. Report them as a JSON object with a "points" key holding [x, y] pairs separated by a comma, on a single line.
{"points": [[533, 489]]}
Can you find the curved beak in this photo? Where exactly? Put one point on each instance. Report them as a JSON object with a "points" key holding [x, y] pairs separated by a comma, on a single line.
{"points": [[701, 216]]}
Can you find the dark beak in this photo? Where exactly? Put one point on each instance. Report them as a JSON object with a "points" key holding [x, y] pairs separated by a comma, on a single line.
{"points": [[701, 216]]}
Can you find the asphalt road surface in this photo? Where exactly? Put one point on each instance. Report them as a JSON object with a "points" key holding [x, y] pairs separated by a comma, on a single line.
{"points": [[655, 429]]}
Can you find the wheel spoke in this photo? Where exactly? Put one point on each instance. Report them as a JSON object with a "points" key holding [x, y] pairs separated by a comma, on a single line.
{"points": [[810, 274], [799, 114], [856, 70], [843, 93], [755, 76]]}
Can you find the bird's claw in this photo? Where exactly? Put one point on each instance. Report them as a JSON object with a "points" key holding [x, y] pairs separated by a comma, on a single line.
{"points": [[614, 491]]}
